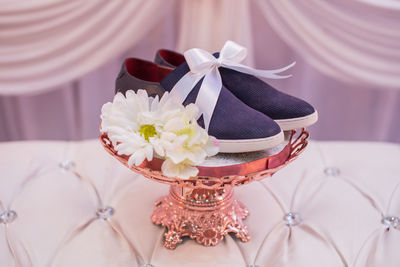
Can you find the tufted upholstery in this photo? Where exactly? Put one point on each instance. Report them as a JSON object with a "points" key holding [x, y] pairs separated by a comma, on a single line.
{"points": [[63, 192]]}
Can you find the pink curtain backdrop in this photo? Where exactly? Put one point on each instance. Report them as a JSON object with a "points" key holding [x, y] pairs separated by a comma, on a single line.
{"points": [[348, 110]]}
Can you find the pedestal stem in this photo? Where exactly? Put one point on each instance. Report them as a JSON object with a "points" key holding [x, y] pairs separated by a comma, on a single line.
{"points": [[202, 214]]}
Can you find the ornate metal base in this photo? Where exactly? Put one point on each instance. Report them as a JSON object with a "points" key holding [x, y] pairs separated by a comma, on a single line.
{"points": [[202, 214]]}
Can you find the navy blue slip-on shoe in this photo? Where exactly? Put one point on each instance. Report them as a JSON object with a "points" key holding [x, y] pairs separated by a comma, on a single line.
{"points": [[288, 111], [238, 127]]}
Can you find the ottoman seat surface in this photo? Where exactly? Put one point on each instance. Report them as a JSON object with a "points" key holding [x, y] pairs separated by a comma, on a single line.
{"points": [[72, 204]]}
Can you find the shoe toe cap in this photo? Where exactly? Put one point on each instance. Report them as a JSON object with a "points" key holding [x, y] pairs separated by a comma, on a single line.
{"points": [[251, 125], [291, 107]]}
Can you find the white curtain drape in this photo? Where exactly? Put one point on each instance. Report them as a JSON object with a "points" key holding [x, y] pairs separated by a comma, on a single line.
{"points": [[391, 4], [219, 19], [348, 40], [44, 44]]}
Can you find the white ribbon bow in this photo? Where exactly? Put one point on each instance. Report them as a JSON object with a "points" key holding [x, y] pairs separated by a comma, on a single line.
{"points": [[203, 64]]}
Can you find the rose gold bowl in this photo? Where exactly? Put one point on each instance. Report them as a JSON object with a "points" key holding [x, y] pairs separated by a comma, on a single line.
{"points": [[203, 207]]}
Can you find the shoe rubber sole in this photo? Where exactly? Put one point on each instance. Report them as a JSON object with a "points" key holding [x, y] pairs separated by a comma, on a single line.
{"points": [[297, 123], [249, 145]]}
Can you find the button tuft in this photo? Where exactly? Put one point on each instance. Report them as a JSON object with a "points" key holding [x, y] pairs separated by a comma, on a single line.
{"points": [[105, 213], [8, 216], [292, 219], [67, 165], [391, 222], [332, 171]]}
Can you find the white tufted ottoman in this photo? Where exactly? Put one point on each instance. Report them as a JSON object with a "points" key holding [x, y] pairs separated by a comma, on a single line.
{"points": [[72, 204]]}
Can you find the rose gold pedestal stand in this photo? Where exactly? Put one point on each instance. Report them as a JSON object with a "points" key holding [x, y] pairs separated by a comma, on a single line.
{"points": [[203, 207]]}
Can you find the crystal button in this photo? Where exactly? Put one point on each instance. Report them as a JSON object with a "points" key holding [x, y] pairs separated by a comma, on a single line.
{"points": [[391, 221], [67, 165], [292, 219], [332, 171], [8, 216], [105, 213]]}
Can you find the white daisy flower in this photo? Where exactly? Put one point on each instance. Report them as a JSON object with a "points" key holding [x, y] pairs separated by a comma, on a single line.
{"points": [[139, 126]]}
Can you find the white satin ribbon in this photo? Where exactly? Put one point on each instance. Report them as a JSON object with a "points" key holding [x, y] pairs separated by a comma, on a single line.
{"points": [[203, 64]]}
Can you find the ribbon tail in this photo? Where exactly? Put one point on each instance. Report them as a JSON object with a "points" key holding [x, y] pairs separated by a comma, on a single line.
{"points": [[185, 85], [271, 74], [284, 68], [208, 95]]}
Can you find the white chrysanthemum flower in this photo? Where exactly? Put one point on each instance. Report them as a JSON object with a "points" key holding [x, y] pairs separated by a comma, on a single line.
{"points": [[185, 144], [138, 126]]}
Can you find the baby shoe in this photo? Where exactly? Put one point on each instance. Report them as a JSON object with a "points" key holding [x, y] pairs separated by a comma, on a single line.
{"points": [[288, 111], [238, 127]]}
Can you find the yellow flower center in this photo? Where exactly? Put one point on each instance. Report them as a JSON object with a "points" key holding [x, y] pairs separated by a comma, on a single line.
{"points": [[189, 131], [147, 131]]}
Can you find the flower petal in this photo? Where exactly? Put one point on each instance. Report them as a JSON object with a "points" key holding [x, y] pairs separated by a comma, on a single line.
{"points": [[212, 146], [139, 157], [191, 111], [149, 152], [176, 155], [131, 161], [158, 147], [182, 171], [174, 124]]}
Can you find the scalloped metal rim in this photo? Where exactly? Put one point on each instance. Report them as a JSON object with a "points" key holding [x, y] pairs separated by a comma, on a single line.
{"points": [[221, 176]]}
